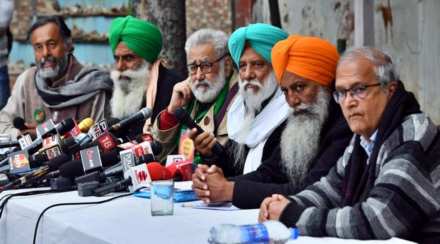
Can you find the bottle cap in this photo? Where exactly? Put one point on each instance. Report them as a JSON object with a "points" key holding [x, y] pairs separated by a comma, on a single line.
{"points": [[294, 233]]}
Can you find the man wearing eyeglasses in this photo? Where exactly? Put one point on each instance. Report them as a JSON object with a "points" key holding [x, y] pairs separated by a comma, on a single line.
{"points": [[386, 183], [206, 94], [140, 79], [307, 146]]}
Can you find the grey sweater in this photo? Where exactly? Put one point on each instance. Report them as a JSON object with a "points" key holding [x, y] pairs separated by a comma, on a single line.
{"points": [[403, 202]]}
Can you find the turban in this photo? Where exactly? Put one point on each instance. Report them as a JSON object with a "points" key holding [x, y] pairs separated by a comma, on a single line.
{"points": [[140, 36], [261, 37], [309, 57]]}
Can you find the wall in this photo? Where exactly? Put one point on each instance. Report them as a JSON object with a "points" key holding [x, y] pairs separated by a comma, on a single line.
{"points": [[413, 40]]}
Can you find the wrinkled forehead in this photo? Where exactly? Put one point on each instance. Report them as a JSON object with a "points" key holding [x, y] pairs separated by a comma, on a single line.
{"points": [[354, 71], [250, 55], [289, 79], [201, 53]]}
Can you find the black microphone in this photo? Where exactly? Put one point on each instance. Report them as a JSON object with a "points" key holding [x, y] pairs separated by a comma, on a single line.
{"points": [[19, 123], [7, 144], [65, 126], [143, 114], [75, 168], [186, 119]]}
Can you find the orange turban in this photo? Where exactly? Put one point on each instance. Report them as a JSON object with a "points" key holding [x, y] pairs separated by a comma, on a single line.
{"points": [[309, 57]]}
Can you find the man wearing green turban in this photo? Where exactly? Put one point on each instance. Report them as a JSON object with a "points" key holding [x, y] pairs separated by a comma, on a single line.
{"points": [[140, 80]]}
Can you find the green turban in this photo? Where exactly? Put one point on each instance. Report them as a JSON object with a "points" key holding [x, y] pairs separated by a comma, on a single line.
{"points": [[261, 37], [140, 36]]}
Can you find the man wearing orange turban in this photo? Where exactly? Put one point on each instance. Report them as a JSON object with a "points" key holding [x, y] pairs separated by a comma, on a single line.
{"points": [[315, 134], [309, 57]]}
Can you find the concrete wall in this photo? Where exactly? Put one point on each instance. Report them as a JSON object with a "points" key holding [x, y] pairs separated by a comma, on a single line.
{"points": [[413, 40]]}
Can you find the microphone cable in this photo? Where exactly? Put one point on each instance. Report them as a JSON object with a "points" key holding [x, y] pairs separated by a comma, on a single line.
{"points": [[4, 200], [76, 203]]}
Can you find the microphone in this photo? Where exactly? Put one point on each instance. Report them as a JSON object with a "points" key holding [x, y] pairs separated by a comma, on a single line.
{"points": [[19, 123], [85, 125], [28, 178], [7, 144], [158, 171], [74, 168], [186, 119], [65, 126], [143, 114]]}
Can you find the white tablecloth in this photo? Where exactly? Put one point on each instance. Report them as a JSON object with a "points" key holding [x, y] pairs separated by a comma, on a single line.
{"points": [[122, 221]]}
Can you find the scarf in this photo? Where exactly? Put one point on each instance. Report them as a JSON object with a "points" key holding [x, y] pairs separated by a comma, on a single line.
{"points": [[264, 123], [360, 176], [86, 84]]}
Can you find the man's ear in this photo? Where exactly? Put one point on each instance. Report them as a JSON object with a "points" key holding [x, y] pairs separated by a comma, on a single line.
{"points": [[392, 87], [69, 45], [228, 65]]}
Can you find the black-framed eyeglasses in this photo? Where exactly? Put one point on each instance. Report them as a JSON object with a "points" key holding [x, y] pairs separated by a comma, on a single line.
{"points": [[357, 91], [205, 66]]}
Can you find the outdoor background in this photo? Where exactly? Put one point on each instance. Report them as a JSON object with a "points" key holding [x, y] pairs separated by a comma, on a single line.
{"points": [[409, 30]]}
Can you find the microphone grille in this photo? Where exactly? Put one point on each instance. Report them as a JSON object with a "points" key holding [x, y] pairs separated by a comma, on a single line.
{"points": [[181, 114], [19, 123], [146, 112], [85, 125]]}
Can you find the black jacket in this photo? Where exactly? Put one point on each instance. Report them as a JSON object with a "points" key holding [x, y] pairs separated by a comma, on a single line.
{"points": [[166, 81], [251, 189]]}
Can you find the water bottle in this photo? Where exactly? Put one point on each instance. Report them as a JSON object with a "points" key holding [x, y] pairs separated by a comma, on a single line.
{"points": [[269, 231]]}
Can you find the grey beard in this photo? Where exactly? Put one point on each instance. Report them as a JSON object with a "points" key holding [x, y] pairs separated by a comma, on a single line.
{"points": [[128, 93], [50, 73], [214, 88], [300, 138]]}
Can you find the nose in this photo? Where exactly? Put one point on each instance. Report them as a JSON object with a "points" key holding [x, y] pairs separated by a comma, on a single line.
{"points": [[292, 99], [46, 51], [349, 100], [248, 74], [120, 65], [199, 75]]}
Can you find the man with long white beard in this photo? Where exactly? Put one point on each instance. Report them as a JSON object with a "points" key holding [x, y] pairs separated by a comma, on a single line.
{"points": [[59, 87], [256, 117], [206, 94], [140, 79], [314, 137]]}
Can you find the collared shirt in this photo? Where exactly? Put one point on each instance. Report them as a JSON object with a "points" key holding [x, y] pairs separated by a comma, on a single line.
{"points": [[368, 144]]}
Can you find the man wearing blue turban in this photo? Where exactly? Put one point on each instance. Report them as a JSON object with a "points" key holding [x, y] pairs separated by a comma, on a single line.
{"points": [[276, 155], [256, 117]]}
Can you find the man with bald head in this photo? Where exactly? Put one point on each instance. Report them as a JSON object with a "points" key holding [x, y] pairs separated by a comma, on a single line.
{"points": [[386, 183], [313, 139]]}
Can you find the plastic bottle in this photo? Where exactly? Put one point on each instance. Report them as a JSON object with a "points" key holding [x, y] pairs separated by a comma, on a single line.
{"points": [[269, 231]]}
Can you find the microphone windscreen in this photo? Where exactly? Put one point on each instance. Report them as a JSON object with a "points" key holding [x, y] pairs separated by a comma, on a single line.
{"points": [[56, 163], [156, 147], [65, 126], [71, 169], [19, 123], [85, 125], [158, 172]]}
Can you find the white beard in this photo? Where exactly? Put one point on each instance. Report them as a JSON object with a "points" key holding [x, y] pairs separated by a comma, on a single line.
{"points": [[129, 90], [209, 94], [240, 149], [253, 101], [300, 138]]}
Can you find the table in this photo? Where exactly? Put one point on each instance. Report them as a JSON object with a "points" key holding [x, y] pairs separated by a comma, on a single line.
{"points": [[122, 221]]}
